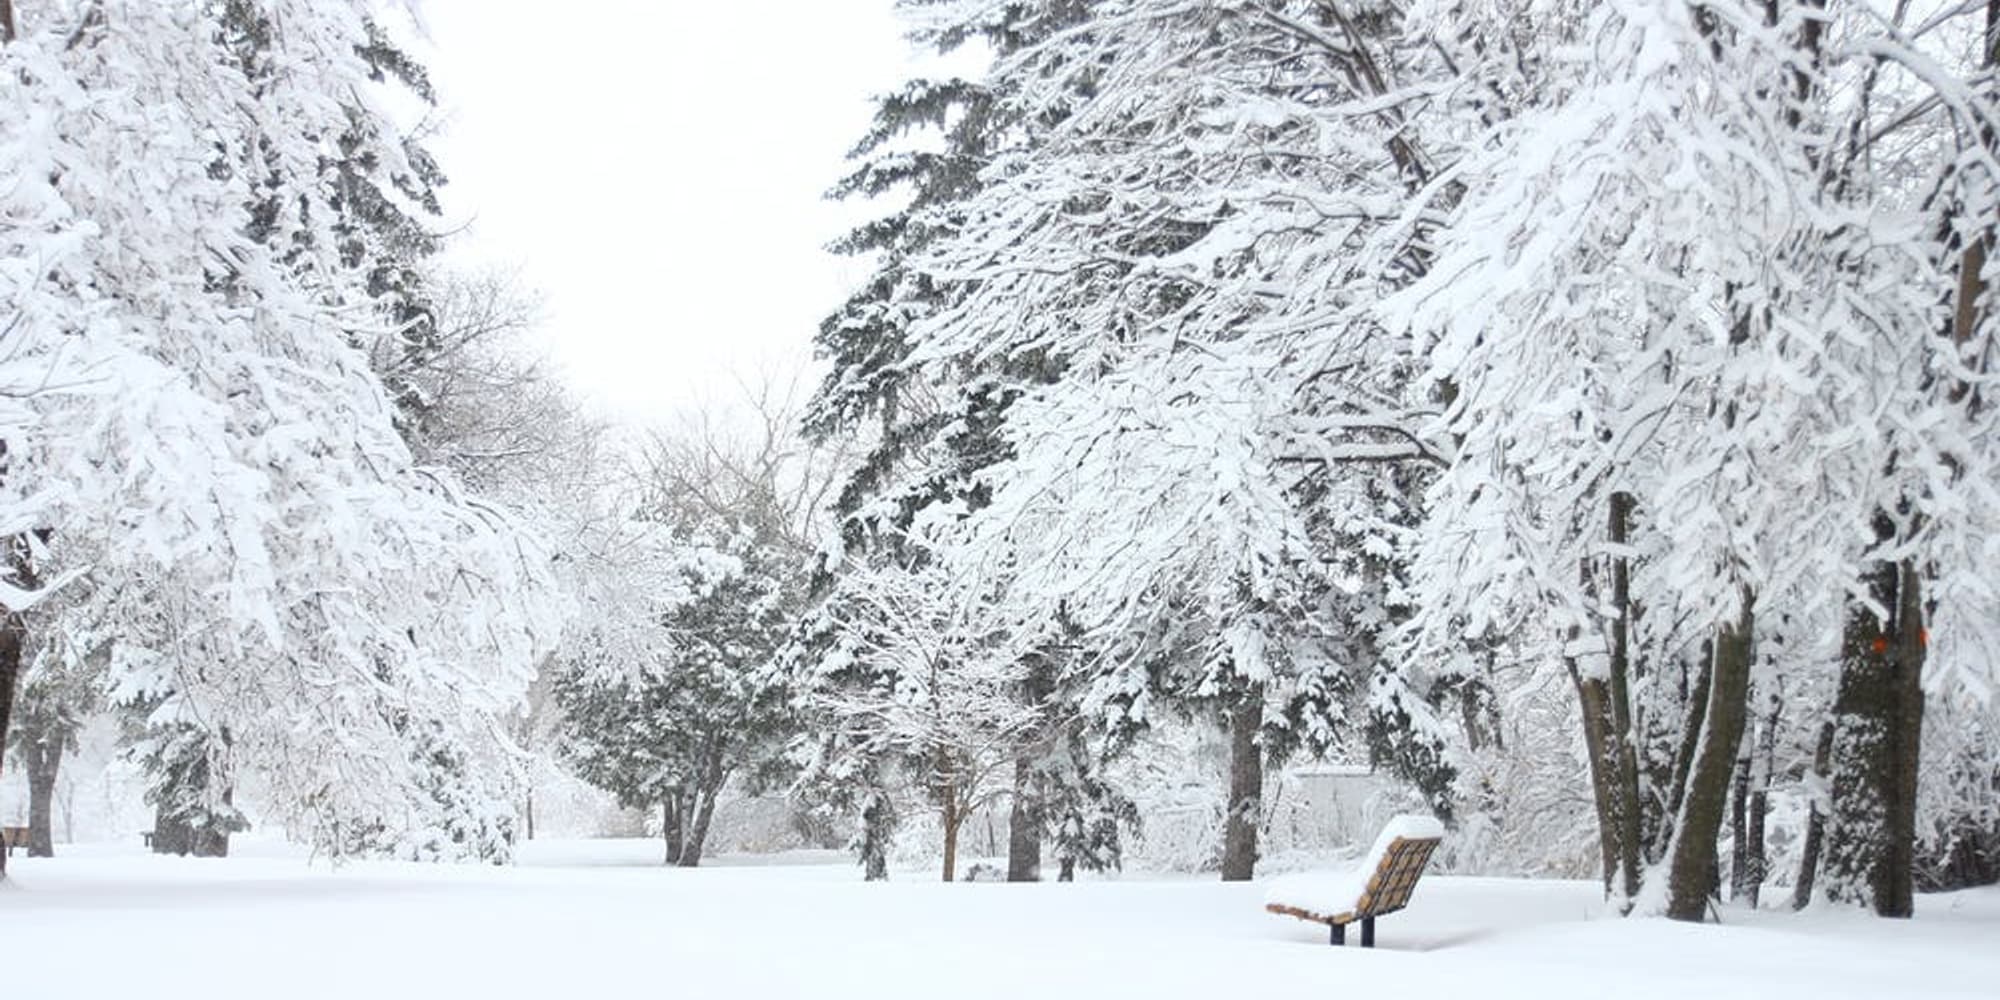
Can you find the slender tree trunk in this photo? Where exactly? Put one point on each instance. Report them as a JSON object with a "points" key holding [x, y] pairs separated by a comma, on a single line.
{"points": [[1751, 860], [878, 825], [1624, 737], [1691, 730], [1692, 876], [529, 813], [1024, 825], [13, 633], [670, 826], [211, 840], [1246, 786], [1739, 824], [19, 572], [1593, 695], [703, 808], [44, 759], [1815, 840], [953, 819]]}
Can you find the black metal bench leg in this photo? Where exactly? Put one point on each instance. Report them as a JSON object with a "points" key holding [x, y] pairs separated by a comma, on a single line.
{"points": [[1367, 932], [1339, 933]]}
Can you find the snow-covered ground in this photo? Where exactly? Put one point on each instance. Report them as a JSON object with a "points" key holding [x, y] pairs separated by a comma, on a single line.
{"points": [[599, 919]]}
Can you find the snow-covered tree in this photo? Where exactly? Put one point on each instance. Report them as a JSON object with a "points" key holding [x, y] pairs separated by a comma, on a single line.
{"points": [[183, 378]]}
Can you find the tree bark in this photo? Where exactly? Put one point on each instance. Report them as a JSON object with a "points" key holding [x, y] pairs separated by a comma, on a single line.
{"points": [[1024, 826], [706, 791], [1692, 876], [1691, 730], [21, 573], [1624, 738], [670, 826], [171, 835], [1878, 715], [1739, 824], [13, 634], [953, 819], [44, 759], [1246, 786], [211, 839], [1592, 695], [878, 824], [1810, 851]]}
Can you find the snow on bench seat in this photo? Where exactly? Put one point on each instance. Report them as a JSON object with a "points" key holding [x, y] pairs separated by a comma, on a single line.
{"points": [[1380, 884]]}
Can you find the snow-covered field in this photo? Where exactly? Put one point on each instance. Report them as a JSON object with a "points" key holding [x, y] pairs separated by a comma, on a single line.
{"points": [[599, 919]]}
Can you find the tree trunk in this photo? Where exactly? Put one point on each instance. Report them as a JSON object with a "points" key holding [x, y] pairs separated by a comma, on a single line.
{"points": [[1024, 826], [1760, 799], [1609, 735], [171, 834], [1739, 825], [670, 826], [878, 824], [1592, 696], [1624, 737], [44, 759], [953, 819], [1691, 879], [1878, 716], [1810, 851], [1691, 730], [1246, 786], [703, 808], [211, 839], [12, 636], [18, 571]]}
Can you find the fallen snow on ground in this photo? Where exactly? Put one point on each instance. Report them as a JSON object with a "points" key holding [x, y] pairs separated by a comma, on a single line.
{"points": [[601, 919]]}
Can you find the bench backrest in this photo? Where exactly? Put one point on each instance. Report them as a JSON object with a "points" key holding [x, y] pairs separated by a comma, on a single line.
{"points": [[1389, 888], [14, 836]]}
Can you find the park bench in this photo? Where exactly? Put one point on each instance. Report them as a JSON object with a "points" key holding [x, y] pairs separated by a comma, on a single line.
{"points": [[12, 837], [1381, 884]]}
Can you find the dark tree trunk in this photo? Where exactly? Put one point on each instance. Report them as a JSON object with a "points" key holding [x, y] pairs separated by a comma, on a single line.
{"points": [[953, 820], [1610, 736], [18, 571], [1024, 826], [1751, 859], [211, 839], [1691, 879], [171, 834], [878, 824], [1878, 716], [670, 827], [1815, 840], [1246, 786], [703, 812], [1624, 737], [1593, 696], [1739, 825], [44, 760], [12, 636], [1691, 730]]}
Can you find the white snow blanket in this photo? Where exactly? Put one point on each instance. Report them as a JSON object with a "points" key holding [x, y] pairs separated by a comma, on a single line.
{"points": [[599, 920], [1331, 894]]}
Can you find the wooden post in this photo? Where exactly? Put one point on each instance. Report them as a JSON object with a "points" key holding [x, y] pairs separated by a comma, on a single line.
{"points": [[1367, 932]]}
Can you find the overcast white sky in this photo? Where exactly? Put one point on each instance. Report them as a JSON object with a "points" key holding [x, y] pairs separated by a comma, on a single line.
{"points": [[656, 169]]}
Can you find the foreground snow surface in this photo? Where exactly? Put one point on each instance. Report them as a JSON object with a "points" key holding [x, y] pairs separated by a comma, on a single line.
{"points": [[599, 919]]}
